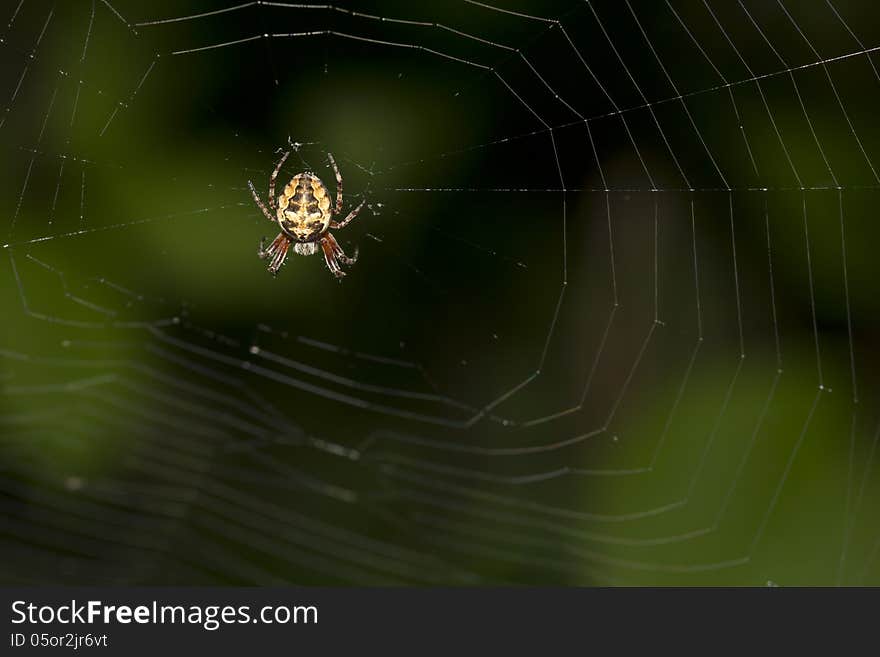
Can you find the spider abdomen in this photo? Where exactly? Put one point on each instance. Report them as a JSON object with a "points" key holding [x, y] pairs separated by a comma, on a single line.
{"points": [[304, 208]]}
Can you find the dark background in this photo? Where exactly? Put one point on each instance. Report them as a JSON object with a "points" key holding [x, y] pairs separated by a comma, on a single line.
{"points": [[636, 348]]}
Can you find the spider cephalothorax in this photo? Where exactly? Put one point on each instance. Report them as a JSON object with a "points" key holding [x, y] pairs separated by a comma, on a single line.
{"points": [[305, 214]]}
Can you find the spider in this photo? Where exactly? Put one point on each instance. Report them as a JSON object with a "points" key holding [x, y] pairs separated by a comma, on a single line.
{"points": [[304, 214]]}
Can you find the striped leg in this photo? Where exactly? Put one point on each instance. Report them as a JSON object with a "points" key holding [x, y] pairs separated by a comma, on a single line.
{"points": [[351, 215], [277, 252], [260, 203], [330, 259], [339, 253], [333, 255], [338, 209], [273, 177]]}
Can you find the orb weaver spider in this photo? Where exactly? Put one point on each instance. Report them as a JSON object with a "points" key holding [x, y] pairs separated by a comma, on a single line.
{"points": [[304, 213]]}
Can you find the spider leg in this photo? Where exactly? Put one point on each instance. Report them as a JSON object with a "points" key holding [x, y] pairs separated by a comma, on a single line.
{"points": [[338, 209], [339, 253], [351, 215], [277, 251], [260, 203], [330, 255], [273, 177]]}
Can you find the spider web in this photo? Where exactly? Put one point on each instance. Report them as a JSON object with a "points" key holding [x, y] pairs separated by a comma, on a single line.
{"points": [[613, 322]]}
